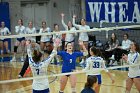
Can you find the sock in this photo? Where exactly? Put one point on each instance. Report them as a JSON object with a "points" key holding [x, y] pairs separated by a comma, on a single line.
{"points": [[61, 92]]}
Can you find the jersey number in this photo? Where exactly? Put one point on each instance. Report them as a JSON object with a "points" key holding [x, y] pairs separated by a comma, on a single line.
{"points": [[70, 60], [37, 70], [96, 65]]}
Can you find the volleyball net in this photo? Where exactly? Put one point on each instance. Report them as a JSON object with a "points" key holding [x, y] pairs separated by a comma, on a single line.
{"points": [[100, 33]]}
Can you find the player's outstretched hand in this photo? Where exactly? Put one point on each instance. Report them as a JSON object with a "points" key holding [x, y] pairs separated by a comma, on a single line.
{"points": [[62, 14], [125, 57], [57, 42], [81, 43], [74, 16]]}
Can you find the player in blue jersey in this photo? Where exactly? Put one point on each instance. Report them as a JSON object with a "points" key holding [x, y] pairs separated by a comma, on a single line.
{"points": [[94, 63], [69, 65], [38, 68]]}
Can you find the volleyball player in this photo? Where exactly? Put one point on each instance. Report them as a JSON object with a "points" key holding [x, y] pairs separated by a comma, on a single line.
{"points": [[30, 30], [83, 36], [19, 29], [69, 65], [90, 85], [33, 46], [45, 40], [69, 36], [94, 63], [4, 31], [134, 71], [38, 68]]}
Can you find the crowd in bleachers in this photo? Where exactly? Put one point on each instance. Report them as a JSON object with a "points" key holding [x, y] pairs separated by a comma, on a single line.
{"points": [[110, 52]]}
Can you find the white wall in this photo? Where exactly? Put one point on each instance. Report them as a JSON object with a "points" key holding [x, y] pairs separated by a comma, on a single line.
{"points": [[49, 12]]}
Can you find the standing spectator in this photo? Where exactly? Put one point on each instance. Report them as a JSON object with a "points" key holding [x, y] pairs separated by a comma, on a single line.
{"points": [[20, 30], [83, 36], [31, 30], [45, 40], [55, 37], [4, 31], [69, 36]]}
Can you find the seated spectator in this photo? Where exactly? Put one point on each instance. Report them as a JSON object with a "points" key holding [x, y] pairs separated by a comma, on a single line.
{"points": [[113, 44], [90, 85], [123, 49], [125, 43], [120, 50]]}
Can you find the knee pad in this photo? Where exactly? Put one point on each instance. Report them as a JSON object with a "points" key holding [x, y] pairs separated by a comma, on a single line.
{"points": [[15, 48]]}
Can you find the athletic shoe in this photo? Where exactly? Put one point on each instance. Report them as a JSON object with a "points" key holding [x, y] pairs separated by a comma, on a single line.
{"points": [[19, 76], [1, 51], [22, 59], [7, 52], [112, 57], [13, 59]]}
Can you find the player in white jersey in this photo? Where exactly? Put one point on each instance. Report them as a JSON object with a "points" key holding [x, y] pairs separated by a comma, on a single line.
{"points": [[94, 63], [45, 40], [4, 31], [69, 36], [19, 30], [134, 72], [83, 36], [38, 68], [31, 30], [34, 46]]}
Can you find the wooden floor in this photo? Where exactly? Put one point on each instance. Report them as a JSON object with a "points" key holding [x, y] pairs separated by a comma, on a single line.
{"points": [[10, 71]]}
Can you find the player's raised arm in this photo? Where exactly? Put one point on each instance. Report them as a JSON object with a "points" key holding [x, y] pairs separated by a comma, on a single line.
{"points": [[85, 51]]}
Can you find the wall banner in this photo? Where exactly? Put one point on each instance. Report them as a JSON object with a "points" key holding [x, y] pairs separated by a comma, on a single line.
{"points": [[122, 11]]}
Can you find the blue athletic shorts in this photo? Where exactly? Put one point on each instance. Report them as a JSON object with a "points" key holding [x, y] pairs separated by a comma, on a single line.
{"points": [[20, 39], [41, 91], [134, 77], [4, 40], [99, 78]]}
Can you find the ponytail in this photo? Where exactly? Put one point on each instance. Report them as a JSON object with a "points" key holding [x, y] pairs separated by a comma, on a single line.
{"points": [[91, 80], [37, 56]]}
